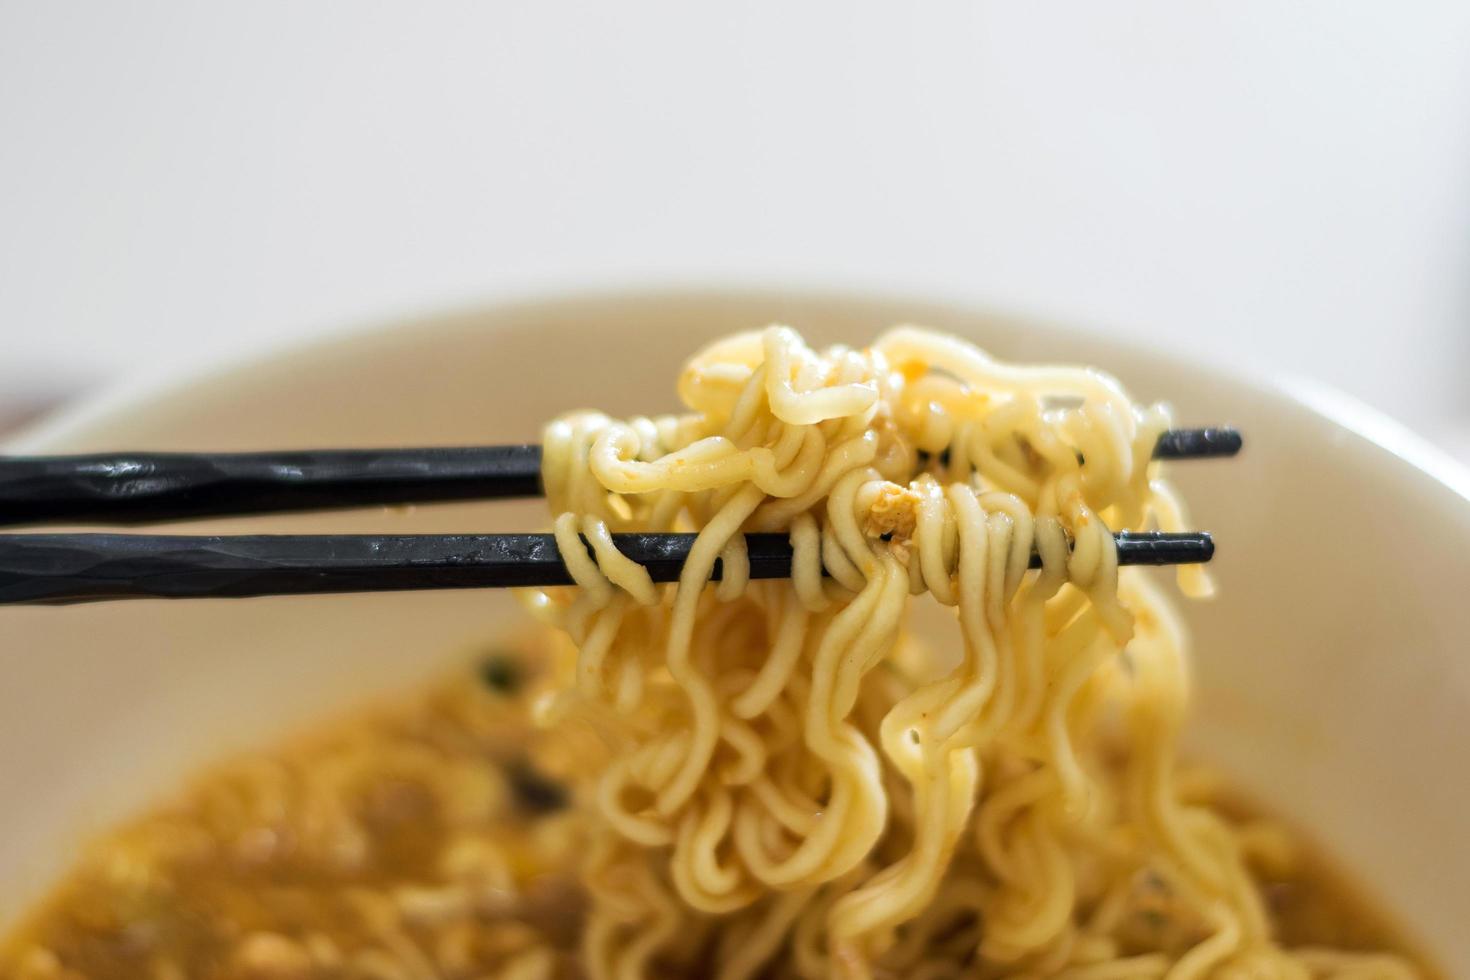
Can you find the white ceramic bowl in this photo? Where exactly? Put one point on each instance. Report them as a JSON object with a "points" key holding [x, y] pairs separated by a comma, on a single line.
{"points": [[1333, 678]]}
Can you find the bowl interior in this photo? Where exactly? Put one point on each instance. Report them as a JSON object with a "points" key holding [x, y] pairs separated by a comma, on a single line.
{"points": [[1328, 677]]}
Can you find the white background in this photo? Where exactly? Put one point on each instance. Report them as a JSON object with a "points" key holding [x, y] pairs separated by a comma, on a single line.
{"points": [[1284, 185]]}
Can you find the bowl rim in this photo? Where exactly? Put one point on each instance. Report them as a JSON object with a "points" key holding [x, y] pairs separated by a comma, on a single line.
{"points": [[178, 377]]}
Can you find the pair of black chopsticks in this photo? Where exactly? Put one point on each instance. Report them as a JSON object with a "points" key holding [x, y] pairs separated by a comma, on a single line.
{"points": [[121, 488]]}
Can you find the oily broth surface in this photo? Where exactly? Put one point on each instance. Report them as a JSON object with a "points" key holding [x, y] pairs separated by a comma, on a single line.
{"points": [[434, 836]]}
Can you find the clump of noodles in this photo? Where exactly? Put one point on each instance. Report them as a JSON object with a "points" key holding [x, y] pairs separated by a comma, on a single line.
{"points": [[797, 790]]}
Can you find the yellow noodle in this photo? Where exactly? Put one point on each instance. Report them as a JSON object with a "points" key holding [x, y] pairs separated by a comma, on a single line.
{"points": [[791, 782]]}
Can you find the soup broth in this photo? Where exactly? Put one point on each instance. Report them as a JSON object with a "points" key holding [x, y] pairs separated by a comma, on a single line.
{"points": [[436, 837]]}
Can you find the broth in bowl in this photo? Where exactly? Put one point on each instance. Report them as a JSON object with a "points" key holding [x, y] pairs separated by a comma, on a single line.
{"points": [[434, 836]]}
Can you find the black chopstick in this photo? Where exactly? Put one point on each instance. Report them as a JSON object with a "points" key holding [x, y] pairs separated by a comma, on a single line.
{"points": [[126, 488], [130, 488], [65, 568]]}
